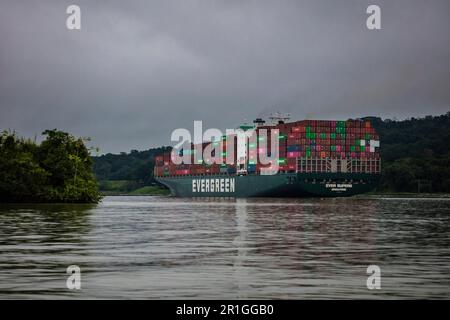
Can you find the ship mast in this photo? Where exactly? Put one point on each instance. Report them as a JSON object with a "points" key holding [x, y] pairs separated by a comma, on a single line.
{"points": [[279, 118]]}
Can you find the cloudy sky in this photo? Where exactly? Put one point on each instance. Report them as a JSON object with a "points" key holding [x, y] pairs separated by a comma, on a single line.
{"points": [[139, 69]]}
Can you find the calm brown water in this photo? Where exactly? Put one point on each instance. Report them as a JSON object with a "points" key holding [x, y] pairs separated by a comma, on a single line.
{"points": [[160, 247]]}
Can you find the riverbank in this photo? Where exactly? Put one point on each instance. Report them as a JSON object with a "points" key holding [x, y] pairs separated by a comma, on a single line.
{"points": [[126, 188]]}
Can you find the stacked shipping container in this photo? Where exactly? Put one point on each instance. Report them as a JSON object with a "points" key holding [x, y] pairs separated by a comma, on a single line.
{"points": [[304, 146]]}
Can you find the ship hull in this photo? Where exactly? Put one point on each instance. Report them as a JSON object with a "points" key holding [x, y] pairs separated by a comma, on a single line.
{"points": [[279, 185]]}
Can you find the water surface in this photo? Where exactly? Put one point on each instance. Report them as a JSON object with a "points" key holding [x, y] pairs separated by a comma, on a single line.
{"points": [[162, 247]]}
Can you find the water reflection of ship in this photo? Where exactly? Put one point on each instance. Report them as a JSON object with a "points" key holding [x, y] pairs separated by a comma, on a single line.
{"points": [[240, 270], [325, 231]]}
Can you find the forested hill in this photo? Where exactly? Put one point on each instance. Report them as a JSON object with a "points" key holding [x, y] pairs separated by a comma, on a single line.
{"points": [[417, 138], [134, 166], [415, 155]]}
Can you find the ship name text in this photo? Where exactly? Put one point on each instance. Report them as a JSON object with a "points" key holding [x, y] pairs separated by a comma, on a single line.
{"points": [[213, 185], [338, 186]]}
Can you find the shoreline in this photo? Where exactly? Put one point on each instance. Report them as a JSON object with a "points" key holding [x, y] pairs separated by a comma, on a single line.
{"points": [[366, 196], [166, 193]]}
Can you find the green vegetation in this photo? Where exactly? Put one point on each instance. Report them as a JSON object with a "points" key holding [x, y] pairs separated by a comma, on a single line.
{"points": [[126, 173], [57, 170], [150, 190], [415, 154], [118, 186], [130, 187], [136, 165]]}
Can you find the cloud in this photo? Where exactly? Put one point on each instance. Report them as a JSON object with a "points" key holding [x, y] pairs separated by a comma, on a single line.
{"points": [[138, 70]]}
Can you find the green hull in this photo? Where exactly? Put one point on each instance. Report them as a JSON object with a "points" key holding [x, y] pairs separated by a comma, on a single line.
{"points": [[279, 185]]}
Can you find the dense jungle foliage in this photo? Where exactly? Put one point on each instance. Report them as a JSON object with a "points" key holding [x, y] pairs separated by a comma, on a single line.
{"points": [[57, 170]]}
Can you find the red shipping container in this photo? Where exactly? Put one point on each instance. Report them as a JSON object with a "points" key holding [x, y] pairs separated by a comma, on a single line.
{"points": [[293, 154]]}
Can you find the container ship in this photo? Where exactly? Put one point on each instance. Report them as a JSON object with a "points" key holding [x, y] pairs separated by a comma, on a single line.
{"points": [[316, 158]]}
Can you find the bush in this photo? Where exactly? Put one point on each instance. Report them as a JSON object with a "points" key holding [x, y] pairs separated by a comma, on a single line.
{"points": [[57, 170]]}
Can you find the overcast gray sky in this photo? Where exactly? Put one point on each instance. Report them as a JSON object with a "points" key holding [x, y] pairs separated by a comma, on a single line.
{"points": [[139, 69]]}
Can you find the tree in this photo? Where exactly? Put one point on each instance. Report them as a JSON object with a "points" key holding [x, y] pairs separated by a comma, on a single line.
{"points": [[57, 170]]}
